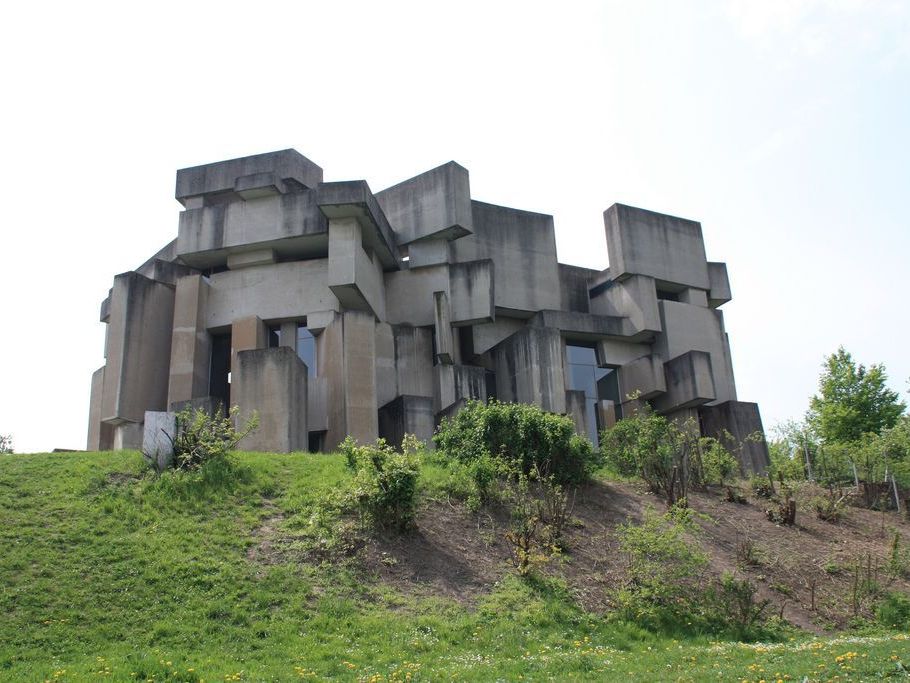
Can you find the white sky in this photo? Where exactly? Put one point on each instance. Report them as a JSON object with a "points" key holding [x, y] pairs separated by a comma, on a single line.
{"points": [[782, 126]]}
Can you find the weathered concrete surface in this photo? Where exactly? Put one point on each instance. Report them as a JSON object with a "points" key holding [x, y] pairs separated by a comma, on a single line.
{"points": [[529, 369], [436, 203], [740, 420], [191, 344], [158, 436], [273, 383], [264, 243], [667, 248], [407, 415], [139, 349]]}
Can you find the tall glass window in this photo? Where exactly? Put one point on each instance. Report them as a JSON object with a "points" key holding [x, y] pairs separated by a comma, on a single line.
{"points": [[596, 382]]}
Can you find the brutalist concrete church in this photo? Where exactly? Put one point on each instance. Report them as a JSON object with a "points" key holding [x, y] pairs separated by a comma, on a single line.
{"points": [[333, 310]]}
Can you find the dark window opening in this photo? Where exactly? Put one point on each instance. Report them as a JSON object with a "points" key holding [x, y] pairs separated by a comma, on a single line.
{"points": [[667, 295], [597, 383], [220, 370], [466, 344], [316, 442]]}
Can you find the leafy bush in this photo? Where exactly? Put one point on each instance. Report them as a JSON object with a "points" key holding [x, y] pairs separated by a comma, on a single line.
{"points": [[655, 448], [664, 574], [733, 604], [893, 611], [202, 437], [830, 507], [762, 486], [6, 443], [384, 488], [521, 435], [717, 463]]}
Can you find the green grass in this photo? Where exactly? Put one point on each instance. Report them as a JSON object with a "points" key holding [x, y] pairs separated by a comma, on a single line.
{"points": [[141, 577]]}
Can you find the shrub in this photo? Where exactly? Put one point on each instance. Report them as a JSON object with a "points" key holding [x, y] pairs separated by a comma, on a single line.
{"points": [[655, 448], [202, 437], [6, 443], [717, 463], [762, 486], [893, 611], [522, 436], [662, 584], [830, 507], [384, 488], [733, 604]]}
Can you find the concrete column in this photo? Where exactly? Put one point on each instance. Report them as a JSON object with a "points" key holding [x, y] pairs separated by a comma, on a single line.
{"points": [[191, 344], [288, 336], [100, 435], [272, 382], [445, 346], [361, 411], [247, 334], [139, 350]]}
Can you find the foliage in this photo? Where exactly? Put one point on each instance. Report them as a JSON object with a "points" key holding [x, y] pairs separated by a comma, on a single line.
{"points": [[524, 536], [783, 508], [202, 438], [893, 611], [762, 486], [6, 443], [830, 507], [789, 448], [717, 463], [733, 604], [521, 435], [209, 612], [384, 488], [664, 569], [852, 400]]}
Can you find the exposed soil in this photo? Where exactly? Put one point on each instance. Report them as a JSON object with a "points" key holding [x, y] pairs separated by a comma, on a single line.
{"points": [[459, 555]]}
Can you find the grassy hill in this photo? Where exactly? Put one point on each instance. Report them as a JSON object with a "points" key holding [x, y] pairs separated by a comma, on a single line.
{"points": [[257, 574]]}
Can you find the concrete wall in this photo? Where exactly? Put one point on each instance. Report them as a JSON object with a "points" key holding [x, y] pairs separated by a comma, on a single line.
{"points": [[664, 247], [277, 292], [472, 292], [191, 344], [139, 349], [273, 383], [354, 278], [522, 244], [435, 203], [529, 369], [407, 415], [740, 420]]}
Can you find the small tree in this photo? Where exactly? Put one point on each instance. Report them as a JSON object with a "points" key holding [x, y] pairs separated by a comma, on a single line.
{"points": [[202, 437], [6, 443], [852, 400]]}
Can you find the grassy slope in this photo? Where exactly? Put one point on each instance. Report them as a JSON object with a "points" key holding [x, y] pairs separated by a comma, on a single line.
{"points": [[106, 575]]}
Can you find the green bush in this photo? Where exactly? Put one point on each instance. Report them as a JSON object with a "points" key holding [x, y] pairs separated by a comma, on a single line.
{"points": [[6, 443], [522, 436], [664, 575], [893, 611], [202, 437], [384, 488]]}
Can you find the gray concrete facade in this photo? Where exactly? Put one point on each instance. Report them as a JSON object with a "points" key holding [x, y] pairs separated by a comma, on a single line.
{"points": [[334, 311]]}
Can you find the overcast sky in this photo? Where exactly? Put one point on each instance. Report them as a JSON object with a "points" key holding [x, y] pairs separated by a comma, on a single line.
{"points": [[784, 127]]}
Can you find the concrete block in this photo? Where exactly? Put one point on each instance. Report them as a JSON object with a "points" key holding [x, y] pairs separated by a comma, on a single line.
{"points": [[127, 436], [256, 185], [471, 290], [386, 374], [413, 361], [100, 437], [361, 409], [719, 292], [643, 376], [353, 199], [488, 335], [285, 291], [667, 248], [522, 244], [210, 405], [689, 382], [247, 259], [740, 420], [634, 298], [694, 328], [458, 382], [191, 343], [139, 349], [429, 252], [445, 345], [408, 294], [221, 177], [158, 435], [354, 278], [273, 383], [436, 203], [407, 415], [529, 369], [573, 288], [695, 297]]}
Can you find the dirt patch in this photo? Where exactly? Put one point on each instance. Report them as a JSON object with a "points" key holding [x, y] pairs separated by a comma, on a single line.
{"points": [[267, 547], [121, 478]]}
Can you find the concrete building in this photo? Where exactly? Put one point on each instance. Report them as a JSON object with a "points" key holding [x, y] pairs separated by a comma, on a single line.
{"points": [[332, 310]]}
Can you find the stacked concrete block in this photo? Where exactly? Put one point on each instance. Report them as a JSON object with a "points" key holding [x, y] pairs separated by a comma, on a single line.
{"points": [[334, 311]]}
